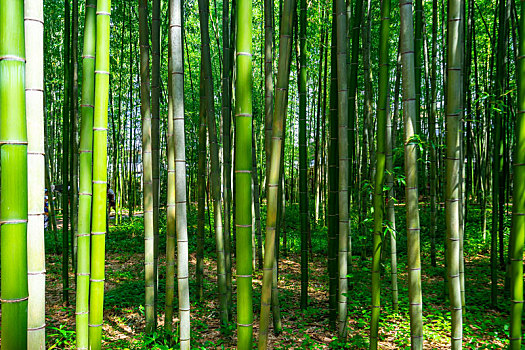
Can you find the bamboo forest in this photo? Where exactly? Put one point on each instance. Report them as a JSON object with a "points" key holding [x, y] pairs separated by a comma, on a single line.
{"points": [[261, 174]]}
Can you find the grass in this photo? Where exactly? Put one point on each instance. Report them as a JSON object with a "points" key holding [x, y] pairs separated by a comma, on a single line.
{"points": [[484, 327]]}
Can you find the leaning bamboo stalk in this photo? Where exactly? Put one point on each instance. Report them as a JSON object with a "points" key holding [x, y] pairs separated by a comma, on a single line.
{"points": [[86, 167], [215, 166], [13, 178], [100, 174], [275, 171], [34, 79]]}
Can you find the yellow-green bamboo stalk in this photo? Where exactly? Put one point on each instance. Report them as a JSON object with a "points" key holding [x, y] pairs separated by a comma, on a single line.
{"points": [[13, 178], [86, 178], [34, 44], [100, 174]]}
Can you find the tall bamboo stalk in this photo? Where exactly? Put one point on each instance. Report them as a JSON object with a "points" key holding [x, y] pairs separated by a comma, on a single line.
{"points": [[147, 166], [452, 202], [204, 13], [86, 168], [13, 178], [432, 134], [226, 139], [73, 195], [342, 119], [243, 173], [411, 189], [100, 174], [303, 155], [170, 208], [155, 143], [65, 155], [518, 200], [176, 71], [391, 127], [34, 89], [382, 112], [333, 205], [275, 172], [201, 188]]}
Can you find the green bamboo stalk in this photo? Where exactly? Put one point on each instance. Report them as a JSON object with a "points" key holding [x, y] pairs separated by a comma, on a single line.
{"points": [[65, 155], [13, 178], [333, 205], [452, 189], [303, 155], [100, 174], [147, 177], [352, 85], [74, 133], [268, 89], [86, 167], [170, 209], [34, 90], [227, 148], [176, 70], [342, 119], [275, 172], [201, 188], [411, 189], [390, 141], [432, 135], [243, 176], [518, 200], [204, 13], [382, 112]]}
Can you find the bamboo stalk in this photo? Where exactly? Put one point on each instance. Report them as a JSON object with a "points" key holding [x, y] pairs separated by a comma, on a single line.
{"points": [[13, 178]]}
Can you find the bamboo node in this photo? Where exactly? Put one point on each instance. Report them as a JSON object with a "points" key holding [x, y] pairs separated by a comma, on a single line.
{"points": [[33, 329], [103, 13], [240, 53], [12, 142], [95, 325], [12, 58], [14, 300], [13, 222], [102, 72]]}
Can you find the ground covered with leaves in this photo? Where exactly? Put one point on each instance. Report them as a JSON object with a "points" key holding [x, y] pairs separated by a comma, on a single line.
{"points": [[484, 327]]}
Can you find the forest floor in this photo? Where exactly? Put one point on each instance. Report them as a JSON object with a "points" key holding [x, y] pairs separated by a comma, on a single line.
{"points": [[484, 327]]}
